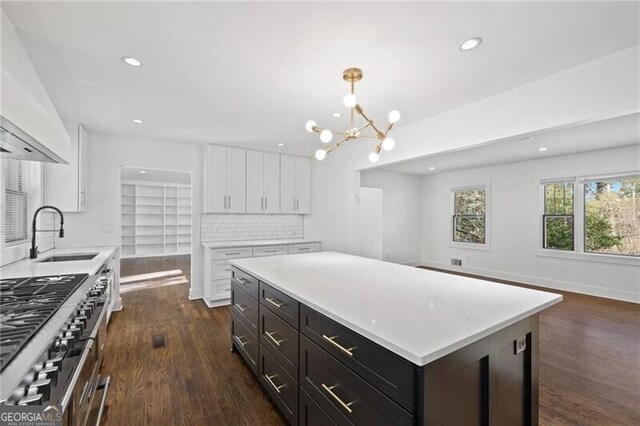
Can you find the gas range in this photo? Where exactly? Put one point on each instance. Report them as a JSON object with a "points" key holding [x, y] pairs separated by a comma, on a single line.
{"points": [[52, 334]]}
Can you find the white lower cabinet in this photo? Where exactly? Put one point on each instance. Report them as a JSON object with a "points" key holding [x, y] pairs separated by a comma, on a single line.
{"points": [[217, 269]]}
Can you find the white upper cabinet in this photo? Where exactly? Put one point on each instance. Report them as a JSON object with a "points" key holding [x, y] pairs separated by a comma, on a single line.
{"points": [[263, 182], [225, 179], [295, 185], [65, 185]]}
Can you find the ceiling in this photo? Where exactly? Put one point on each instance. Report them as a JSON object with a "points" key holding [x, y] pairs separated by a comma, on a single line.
{"points": [[152, 175], [254, 73], [606, 134]]}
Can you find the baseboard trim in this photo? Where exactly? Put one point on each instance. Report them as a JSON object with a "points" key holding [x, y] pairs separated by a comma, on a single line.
{"points": [[417, 262], [195, 294], [216, 303], [625, 296]]}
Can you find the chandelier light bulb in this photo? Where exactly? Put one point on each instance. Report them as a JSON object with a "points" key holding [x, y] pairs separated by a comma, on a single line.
{"points": [[388, 144], [326, 136], [310, 125], [321, 154], [374, 157], [394, 116], [349, 100]]}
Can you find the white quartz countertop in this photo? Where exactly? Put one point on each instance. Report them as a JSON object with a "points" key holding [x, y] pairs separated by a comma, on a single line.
{"points": [[418, 314], [258, 243], [34, 268]]}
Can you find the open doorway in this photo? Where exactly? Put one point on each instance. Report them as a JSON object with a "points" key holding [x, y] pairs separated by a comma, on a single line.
{"points": [[156, 209]]}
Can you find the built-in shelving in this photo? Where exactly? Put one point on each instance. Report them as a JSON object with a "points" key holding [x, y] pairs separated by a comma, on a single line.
{"points": [[156, 218]]}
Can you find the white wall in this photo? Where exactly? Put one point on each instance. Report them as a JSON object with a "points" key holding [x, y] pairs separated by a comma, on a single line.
{"points": [[514, 253], [107, 154], [401, 214], [604, 88]]}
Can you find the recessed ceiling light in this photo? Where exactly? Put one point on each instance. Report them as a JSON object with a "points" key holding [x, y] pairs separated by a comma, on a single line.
{"points": [[137, 121], [432, 168], [470, 44], [542, 149], [132, 61], [336, 115], [143, 172], [280, 144]]}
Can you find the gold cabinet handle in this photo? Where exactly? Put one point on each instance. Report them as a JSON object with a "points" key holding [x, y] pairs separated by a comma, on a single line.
{"points": [[274, 302], [346, 406], [270, 380], [237, 339], [270, 336], [242, 308], [337, 345]]}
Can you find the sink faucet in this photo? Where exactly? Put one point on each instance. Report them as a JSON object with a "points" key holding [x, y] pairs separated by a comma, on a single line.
{"points": [[33, 253]]}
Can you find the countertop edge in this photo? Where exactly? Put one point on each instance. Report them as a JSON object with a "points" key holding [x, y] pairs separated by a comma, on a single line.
{"points": [[257, 243]]}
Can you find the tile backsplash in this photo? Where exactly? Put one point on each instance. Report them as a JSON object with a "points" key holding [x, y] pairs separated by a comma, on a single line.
{"points": [[238, 227]]}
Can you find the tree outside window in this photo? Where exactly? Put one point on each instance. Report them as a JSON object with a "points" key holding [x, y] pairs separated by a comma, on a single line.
{"points": [[469, 222], [558, 223], [612, 216]]}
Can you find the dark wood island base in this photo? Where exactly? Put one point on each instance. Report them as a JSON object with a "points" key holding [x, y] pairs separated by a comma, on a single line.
{"points": [[318, 372]]}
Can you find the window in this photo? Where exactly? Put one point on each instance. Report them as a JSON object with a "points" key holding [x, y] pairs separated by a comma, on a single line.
{"points": [[557, 218], [16, 203], [469, 209], [612, 216]]}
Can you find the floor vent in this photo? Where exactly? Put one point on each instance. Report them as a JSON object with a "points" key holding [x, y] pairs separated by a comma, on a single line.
{"points": [[158, 341]]}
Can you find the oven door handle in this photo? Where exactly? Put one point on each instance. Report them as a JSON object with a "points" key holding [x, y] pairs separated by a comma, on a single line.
{"points": [[68, 394]]}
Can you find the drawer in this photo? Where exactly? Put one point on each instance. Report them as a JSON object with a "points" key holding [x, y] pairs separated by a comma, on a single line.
{"points": [[342, 394], [284, 306], [281, 339], [391, 374], [231, 253], [269, 251], [304, 248], [246, 307], [245, 281], [245, 342], [220, 289], [310, 413], [220, 269], [282, 388]]}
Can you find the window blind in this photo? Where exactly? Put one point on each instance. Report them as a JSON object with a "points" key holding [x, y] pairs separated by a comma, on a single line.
{"points": [[16, 203]]}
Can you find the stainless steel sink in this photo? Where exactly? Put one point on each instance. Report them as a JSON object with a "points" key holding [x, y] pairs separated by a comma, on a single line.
{"points": [[69, 257]]}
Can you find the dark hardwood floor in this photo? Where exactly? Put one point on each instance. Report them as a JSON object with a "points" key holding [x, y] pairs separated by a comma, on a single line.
{"points": [[589, 364]]}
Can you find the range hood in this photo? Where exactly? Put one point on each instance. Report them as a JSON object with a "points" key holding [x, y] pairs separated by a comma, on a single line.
{"points": [[18, 145]]}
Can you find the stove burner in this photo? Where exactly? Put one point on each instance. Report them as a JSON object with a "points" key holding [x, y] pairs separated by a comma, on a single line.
{"points": [[26, 304]]}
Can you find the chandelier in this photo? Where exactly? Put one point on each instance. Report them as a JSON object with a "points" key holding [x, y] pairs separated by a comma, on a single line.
{"points": [[367, 130]]}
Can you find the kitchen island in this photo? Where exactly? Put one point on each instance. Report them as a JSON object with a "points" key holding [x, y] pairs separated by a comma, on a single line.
{"points": [[342, 339]]}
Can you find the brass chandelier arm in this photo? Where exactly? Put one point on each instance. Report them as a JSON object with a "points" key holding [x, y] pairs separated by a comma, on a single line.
{"points": [[359, 110], [388, 128], [337, 144]]}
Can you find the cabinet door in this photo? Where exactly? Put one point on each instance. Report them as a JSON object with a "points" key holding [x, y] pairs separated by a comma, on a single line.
{"points": [[303, 185], [287, 184], [61, 188], [255, 182], [216, 179], [272, 183], [83, 142], [236, 180]]}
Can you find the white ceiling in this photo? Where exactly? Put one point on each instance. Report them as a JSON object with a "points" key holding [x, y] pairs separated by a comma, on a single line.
{"points": [[253, 73], [605, 134]]}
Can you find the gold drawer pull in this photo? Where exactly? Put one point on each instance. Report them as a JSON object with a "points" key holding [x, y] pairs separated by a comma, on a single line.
{"points": [[237, 338], [269, 379], [337, 398], [240, 281], [239, 306], [274, 302], [270, 336], [339, 346]]}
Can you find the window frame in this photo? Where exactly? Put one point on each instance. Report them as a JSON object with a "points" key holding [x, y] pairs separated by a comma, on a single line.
{"points": [[544, 215], [487, 222], [579, 223]]}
